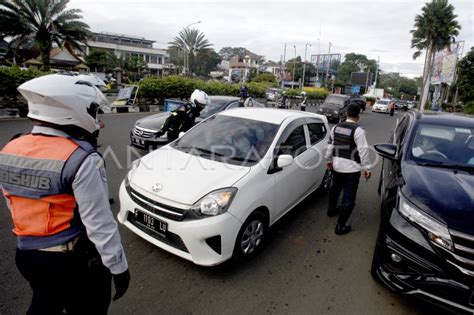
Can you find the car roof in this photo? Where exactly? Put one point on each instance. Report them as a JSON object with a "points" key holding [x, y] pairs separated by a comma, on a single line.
{"points": [[269, 115], [223, 98], [444, 118]]}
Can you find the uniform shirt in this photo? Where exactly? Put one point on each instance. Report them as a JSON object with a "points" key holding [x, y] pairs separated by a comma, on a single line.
{"points": [[344, 165], [91, 194]]}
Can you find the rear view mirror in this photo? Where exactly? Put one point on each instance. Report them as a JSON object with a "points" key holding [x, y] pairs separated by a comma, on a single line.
{"points": [[386, 150], [284, 160]]}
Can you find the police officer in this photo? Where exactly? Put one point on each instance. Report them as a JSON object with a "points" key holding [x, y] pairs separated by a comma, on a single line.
{"points": [[183, 118], [347, 156], [244, 95], [54, 182], [304, 101]]}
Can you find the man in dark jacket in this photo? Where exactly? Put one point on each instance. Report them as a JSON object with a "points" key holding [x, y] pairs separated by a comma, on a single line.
{"points": [[184, 117]]}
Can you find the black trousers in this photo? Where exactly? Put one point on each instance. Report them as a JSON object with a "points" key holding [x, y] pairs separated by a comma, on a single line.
{"points": [[349, 182], [65, 281]]}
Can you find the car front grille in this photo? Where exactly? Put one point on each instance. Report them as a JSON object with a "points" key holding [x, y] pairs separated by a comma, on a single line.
{"points": [[169, 238], [143, 133], [462, 256], [160, 209]]}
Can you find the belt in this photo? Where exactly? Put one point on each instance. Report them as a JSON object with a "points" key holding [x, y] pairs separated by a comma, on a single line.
{"points": [[62, 248]]}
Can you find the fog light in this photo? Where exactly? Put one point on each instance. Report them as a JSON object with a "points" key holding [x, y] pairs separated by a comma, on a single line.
{"points": [[395, 258]]}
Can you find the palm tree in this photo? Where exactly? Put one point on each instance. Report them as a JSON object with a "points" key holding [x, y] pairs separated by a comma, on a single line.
{"points": [[192, 43], [43, 21], [435, 29]]}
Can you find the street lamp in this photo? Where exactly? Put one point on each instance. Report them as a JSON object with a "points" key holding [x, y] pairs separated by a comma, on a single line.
{"points": [[329, 63], [304, 64], [294, 67], [187, 50]]}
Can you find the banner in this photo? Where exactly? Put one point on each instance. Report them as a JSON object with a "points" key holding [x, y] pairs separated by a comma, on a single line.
{"points": [[444, 65]]}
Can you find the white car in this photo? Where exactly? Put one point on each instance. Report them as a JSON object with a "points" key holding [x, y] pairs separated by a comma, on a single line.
{"points": [[381, 106], [212, 194]]}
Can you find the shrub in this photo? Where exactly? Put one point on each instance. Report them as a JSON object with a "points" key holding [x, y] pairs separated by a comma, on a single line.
{"points": [[311, 93], [12, 77], [264, 77], [469, 108]]}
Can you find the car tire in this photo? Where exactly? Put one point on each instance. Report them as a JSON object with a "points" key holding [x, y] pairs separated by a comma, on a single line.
{"points": [[251, 237]]}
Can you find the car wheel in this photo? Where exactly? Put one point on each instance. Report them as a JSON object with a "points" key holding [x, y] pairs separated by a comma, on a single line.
{"points": [[251, 237]]}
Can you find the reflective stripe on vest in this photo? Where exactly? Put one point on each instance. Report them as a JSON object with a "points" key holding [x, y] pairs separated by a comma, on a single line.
{"points": [[344, 144], [36, 173]]}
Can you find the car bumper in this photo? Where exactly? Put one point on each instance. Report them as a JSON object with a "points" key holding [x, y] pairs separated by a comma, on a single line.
{"points": [[380, 110], [421, 271], [187, 239], [146, 143]]}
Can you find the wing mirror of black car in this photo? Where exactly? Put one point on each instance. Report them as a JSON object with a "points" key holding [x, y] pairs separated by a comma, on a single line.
{"points": [[386, 150]]}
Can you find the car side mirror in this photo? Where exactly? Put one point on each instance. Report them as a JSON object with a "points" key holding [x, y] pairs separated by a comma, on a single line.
{"points": [[386, 150], [284, 160], [181, 134]]}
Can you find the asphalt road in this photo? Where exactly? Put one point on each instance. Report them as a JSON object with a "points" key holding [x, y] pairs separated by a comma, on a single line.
{"points": [[305, 268]]}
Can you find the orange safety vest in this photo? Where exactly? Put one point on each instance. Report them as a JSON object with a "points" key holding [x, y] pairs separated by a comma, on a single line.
{"points": [[36, 172]]}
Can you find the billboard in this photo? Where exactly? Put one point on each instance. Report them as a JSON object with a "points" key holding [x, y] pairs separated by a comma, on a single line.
{"points": [[326, 62], [362, 78], [444, 65]]}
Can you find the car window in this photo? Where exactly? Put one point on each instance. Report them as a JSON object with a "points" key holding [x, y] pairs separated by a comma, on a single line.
{"points": [[233, 105], [214, 107], [400, 131], [295, 143], [317, 132]]}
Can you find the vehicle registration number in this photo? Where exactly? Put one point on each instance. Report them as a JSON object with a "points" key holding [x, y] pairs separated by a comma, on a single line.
{"points": [[138, 141], [151, 222]]}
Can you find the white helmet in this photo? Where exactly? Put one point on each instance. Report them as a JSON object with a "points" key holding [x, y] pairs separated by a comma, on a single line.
{"points": [[199, 98], [94, 80], [63, 100], [303, 93]]}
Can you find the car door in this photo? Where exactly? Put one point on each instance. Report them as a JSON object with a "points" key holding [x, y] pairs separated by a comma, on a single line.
{"points": [[292, 182], [318, 133]]}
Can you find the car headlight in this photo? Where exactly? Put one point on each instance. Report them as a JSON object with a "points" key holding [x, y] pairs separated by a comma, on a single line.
{"points": [[320, 109], [336, 112], [438, 233], [134, 165], [216, 202]]}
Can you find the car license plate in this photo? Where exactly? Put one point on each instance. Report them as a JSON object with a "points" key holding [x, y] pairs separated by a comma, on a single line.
{"points": [[138, 142], [151, 222]]}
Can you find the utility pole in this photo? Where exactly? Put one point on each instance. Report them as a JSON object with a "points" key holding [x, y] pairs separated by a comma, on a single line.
{"points": [[329, 62], [284, 68], [317, 57], [304, 64], [294, 67], [376, 73], [367, 79]]}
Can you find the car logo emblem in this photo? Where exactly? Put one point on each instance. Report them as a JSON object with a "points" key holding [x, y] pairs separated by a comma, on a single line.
{"points": [[139, 132], [156, 187]]}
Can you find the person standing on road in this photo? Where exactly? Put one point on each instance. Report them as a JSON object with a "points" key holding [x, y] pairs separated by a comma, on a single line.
{"points": [[304, 101], [54, 182], [391, 107], [184, 117], [284, 101], [347, 155]]}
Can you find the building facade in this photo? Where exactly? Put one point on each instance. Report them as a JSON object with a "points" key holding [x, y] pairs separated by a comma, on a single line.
{"points": [[123, 46]]}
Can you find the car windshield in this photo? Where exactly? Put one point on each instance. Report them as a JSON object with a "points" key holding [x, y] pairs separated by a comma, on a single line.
{"points": [[382, 102], [214, 107], [228, 139], [336, 101], [444, 145]]}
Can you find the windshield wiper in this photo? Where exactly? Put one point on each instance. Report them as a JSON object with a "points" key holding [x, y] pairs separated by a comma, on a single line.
{"points": [[187, 149], [455, 167], [242, 159]]}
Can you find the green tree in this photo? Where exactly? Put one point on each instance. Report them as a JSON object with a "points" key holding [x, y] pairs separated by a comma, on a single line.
{"points": [[465, 81], [435, 29], [194, 45], [101, 60], [228, 52], [44, 21], [135, 67], [208, 61], [264, 77], [354, 63]]}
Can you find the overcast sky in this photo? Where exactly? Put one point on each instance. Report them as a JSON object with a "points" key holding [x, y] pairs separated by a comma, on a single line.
{"points": [[377, 28]]}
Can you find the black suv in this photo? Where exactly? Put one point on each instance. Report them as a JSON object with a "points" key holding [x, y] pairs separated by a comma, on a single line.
{"points": [[425, 245]]}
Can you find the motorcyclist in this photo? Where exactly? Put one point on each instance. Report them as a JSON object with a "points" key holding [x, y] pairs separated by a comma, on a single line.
{"points": [[183, 118]]}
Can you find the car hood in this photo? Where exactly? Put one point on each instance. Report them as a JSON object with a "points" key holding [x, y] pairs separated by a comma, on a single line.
{"points": [[328, 106], [447, 196], [184, 178], [153, 122]]}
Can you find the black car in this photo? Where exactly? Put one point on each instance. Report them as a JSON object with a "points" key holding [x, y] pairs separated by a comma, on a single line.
{"points": [[401, 105], [357, 100], [335, 107], [425, 245], [143, 134]]}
